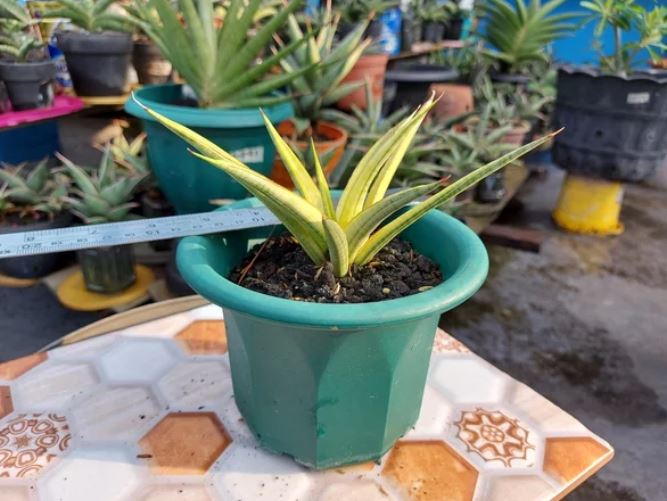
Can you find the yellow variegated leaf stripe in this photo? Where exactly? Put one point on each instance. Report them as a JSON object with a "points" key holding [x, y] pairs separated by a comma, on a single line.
{"points": [[338, 251], [296, 170], [325, 194], [391, 230]]}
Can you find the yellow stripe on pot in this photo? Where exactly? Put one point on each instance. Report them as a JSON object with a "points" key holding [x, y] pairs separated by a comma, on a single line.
{"points": [[590, 206]]}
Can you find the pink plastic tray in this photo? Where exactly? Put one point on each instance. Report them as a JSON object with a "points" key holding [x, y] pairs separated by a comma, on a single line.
{"points": [[62, 105]]}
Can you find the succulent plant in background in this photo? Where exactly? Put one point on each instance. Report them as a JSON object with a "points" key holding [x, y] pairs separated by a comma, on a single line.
{"points": [[519, 33], [434, 11], [103, 194], [32, 194], [93, 16], [216, 61], [18, 42], [319, 67], [346, 233]]}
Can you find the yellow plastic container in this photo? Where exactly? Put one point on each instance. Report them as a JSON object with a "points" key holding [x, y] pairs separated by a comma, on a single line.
{"points": [[590, 206]]}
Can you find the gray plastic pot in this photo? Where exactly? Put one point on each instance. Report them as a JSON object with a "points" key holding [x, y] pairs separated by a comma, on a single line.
{"points": [[615, 127], [28, 84], [39, 265], [97, 62], [150, 64], [107, 269], [412, 81]]}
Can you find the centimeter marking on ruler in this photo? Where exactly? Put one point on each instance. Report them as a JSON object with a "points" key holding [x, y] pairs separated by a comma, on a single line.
{"points": [[128, 232]]}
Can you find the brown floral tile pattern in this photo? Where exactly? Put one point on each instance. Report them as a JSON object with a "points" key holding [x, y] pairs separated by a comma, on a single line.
{"points": [[430, 471], [174, 431], [6, 404], [185, 443], [566, 458], [493, 435], [15, 368], [29, 442], [204, 337]]}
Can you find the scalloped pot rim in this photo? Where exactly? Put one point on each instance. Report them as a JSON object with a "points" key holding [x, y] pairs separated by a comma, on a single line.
{"points": [[197, 262], [594, 72]]}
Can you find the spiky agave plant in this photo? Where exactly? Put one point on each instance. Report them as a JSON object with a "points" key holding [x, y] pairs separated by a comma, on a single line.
{"points": [[346, 233]]}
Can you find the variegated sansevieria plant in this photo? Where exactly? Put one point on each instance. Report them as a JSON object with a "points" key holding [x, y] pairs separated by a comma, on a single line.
{"points": [[349, 232]]}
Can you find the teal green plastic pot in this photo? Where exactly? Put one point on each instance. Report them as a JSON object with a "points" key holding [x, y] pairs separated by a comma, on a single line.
{"points": [[189, 183], [332, 384]]}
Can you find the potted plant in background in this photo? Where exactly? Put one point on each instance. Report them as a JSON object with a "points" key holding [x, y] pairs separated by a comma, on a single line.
{"points": [[517, 34], [149, 63], [433, 16], [457, 96], [353, 12], [303, 371], [32, 200], [103, 195], [319, 83], [222, 96], [25, 67], [616, 115], [98, 54]]}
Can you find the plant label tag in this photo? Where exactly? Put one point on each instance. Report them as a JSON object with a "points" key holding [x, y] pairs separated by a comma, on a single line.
{"points": [[252, 155], [639, 97]]}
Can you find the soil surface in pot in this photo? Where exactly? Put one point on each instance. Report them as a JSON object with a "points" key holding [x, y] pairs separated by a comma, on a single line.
{"points": [[281, 268]]}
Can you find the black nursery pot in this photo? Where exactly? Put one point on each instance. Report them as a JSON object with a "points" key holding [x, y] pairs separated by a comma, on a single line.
{"points": [[491, 189], [433, 31], [39, 265], [615, 127], [107, 269], [97, 62], [412, 82], [28, 84], [453, 28]]}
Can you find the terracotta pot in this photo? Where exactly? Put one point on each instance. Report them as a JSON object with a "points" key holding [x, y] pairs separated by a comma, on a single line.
{"points": [[517, 135], [373, 67], [336, 140], [457, 99]]}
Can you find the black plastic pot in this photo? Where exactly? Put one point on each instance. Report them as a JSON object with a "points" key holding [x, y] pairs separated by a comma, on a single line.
{"points": [[175, 282], [97, 62], [491, 189], [150, 65], [453, 28], [411, 30], [373, 30], [107, 269], [28, 84], [615, 127], [433, 31], [412, 81], [41, 264], [154, 204]]}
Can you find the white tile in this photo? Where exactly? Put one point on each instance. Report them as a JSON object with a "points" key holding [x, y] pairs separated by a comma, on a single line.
{"points": [[175, 492], [166, 327], [196, 383], [209, 312], [91, 474], [15, 493], [353, 490], [255, 475], [52, 386], [83, 350], [122, 413], [137, 361], [468, 379], [432, 416]]}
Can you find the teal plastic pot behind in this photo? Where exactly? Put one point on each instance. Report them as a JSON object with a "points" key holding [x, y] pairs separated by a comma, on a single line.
{"points": [[332, 384], [189, 183]]}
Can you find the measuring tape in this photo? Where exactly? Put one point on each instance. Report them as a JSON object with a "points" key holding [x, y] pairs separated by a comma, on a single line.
{"points": [[30, 243]]}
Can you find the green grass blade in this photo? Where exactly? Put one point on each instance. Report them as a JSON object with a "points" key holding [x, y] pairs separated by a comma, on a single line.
{"points": [[388, 232]]}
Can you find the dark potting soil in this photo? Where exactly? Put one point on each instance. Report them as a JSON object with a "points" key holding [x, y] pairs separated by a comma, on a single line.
{"points": [[281, 268]]}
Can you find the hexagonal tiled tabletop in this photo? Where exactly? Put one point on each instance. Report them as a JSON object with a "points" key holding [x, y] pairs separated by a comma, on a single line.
{"points": [[147, 413]]}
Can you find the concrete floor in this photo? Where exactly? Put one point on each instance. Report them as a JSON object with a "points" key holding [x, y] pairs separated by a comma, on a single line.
{"points": [[584, 322]]}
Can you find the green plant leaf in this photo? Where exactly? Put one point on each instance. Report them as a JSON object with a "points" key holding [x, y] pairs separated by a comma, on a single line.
{"points": [[337, 245], [325, 194], [391, 230]]}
